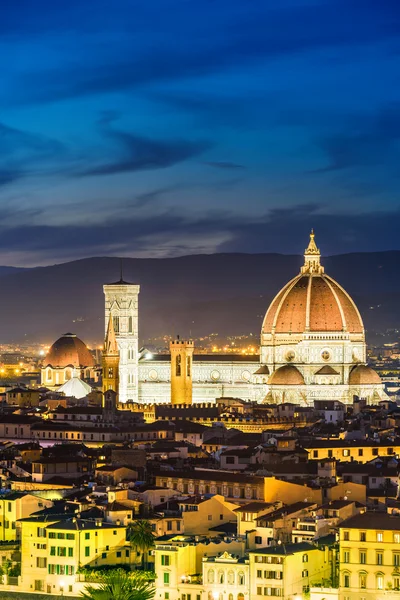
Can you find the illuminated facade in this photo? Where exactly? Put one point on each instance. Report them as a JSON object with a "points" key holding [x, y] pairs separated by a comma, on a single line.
{"points": [[370, 557], [312, 348]]}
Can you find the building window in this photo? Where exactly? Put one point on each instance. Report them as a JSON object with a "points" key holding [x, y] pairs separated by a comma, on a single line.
{"points": [[346, 536], [363, 536], [178, 365], [130, 325], [346, 556], [346, 452], [363, 581], [87, 551], [305, 557], [165, 560], [41, 562], [363, 558], [211, 576], [396, 559], [87, 536], [258, 539], [346, 580], [396, 538], [379, 537], [166, 578], [188, 366], [241, 578], [116, 323], [379, 558], [379, 581]]}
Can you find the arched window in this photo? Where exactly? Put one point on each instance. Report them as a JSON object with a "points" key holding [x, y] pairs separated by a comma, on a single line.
{"points": [[211, 576], [363, 580], [240, 596], [221, 577], [241, 578], [346, 579], [49, 375], [231, 577], [379, 581], [116, 323], [130, 325], [178, 364], [230, 597], [305, 557]]}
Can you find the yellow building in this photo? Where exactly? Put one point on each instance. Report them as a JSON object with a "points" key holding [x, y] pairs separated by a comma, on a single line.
{"points": [[276, 489], [181, 371], [110, 361], [288, 571], [17, 506], [201, 514], [179, 564], [226, 577], [53, 551], [370, 557], [360, 450]]}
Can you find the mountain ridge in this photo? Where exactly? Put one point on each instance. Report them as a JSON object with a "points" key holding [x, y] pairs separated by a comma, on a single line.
{"points": [[227, 293]]}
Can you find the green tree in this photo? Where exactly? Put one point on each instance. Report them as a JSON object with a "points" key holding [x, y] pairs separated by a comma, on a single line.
{"points": [[141, 537], [120, 585]]}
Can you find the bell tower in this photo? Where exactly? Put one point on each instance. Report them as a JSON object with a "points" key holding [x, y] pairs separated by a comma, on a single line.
{"points": [[181, 371], [121, 307], [110, 360]]}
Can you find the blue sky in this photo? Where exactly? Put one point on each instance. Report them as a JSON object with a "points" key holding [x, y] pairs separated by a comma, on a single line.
{"points": [[170, 127]]}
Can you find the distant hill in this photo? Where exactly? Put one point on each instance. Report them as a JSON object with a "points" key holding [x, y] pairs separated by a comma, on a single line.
{"points": [[224, 293]]}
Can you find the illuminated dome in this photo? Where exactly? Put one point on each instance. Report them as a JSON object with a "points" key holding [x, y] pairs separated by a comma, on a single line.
{"points": [[286, 375], [312, 302], [69, 350], [363, 375]]}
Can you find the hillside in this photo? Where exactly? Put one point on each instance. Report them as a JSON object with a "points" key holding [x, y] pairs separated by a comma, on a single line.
{"points": [[224, 293]]}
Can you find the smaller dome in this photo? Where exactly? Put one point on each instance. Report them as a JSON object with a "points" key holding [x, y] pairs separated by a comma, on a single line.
{"points": [[69, 350], [363, 375], [286, 375]]}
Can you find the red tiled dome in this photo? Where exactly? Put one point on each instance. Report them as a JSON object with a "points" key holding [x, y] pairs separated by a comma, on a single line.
{"points": [[312, 302], [69, 350]]}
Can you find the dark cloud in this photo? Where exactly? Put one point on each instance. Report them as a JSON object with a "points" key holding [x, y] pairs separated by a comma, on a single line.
{"points": [[187, 46], [137, 153], [220, 164], [368, 140], [173, 233]]}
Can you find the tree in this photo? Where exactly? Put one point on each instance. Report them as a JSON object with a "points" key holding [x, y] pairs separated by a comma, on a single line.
{"points": [[120, 585], [141, 537]]}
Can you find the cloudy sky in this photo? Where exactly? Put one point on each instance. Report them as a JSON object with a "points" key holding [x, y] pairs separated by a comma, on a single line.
{"points": [[169, 127]]}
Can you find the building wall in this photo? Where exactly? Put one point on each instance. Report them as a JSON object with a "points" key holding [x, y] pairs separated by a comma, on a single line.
{"points": [[359, 563]]}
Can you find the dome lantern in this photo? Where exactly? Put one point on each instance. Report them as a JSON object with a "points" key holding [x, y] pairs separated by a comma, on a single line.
{"points": [[312, 257]]}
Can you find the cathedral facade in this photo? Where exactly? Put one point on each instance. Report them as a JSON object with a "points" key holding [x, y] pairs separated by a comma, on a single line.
{"points": [[312, 347]]}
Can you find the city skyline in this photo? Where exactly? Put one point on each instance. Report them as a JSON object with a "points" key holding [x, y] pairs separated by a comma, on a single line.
{"points": [[174, 128]]}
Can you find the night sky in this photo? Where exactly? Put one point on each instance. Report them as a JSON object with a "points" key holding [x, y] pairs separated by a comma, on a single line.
{"points": [[159, 128]]}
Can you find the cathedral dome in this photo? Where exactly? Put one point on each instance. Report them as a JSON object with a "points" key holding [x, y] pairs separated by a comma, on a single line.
{"points": [[69, 350], [286, 375], [312, 302], [364, 375]]}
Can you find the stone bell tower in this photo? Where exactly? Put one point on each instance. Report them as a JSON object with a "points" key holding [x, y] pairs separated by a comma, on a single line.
{"points": [[181, 371], [121, 306]]}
